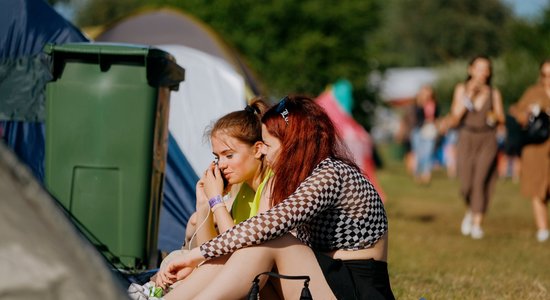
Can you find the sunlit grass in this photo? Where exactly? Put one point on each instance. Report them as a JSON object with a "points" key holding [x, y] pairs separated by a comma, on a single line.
{"points": [[429, 258]]}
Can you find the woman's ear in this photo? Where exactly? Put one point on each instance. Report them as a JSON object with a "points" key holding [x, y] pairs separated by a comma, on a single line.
{"points": [[258, 149]]}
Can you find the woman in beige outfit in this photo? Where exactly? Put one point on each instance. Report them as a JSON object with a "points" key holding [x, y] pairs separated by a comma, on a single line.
{"points": [[477, 110], [535, 158]]}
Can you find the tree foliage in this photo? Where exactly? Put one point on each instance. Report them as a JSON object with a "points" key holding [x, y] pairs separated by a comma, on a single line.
{"points": [[295, 46], [430, 32], [302, 46]]}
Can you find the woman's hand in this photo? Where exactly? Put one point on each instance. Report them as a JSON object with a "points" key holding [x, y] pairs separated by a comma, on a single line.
{"points": [[163, 267], [181, 266], [213, 181]]}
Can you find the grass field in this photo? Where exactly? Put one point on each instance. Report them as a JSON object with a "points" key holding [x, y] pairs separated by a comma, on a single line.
{"points": [[429, 258]]}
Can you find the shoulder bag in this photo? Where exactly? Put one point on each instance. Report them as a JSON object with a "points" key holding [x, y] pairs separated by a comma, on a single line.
{"points": [[254, 292], [538, 129]]}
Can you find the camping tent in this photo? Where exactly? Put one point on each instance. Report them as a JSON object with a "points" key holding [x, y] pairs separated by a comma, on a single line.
{"points": [[214, 85], [41, 254], [212, 88], [25, 27], [169, 26]]}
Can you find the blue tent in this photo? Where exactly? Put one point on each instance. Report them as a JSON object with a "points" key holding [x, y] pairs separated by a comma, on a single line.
{"points": [[26, 26]]}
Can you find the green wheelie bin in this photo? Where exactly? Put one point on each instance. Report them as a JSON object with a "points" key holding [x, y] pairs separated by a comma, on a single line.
{"points": [[106, 143]]}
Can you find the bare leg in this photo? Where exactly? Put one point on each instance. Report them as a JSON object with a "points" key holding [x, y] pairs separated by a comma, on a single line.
{"points": [[193, 284], [291, 257], [410, 162], [539, 211], [477, 219]]}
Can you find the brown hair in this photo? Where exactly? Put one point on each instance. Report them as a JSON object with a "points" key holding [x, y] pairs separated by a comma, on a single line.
{"points": [[307, 136], [243, 125], [471, 63]]}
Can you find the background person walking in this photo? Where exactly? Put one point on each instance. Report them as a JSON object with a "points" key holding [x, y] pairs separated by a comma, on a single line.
{"points": [[477, 109], [424, 133], [535, 157]]}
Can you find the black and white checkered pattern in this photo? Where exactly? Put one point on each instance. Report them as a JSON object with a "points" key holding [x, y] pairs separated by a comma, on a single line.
{"points": [[336, 207]]}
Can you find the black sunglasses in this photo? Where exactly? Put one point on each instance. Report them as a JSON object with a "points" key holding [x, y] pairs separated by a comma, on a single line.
{"points": [[282, 110]]}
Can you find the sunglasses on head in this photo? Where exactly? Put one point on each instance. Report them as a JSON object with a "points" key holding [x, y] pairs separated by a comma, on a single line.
{"points": [[282, 110]]}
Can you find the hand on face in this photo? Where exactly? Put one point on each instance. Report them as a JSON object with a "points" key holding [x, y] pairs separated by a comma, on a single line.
{"points": [[213, 181]]}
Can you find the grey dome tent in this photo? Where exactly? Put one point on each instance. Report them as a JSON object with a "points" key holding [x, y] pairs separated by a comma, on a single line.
{"points": [[42, 256], [170, 26]]}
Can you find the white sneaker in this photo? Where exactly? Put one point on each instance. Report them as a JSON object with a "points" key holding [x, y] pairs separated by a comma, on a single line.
{"points": [[137, 292], [477, 232], [466, 226], [542, 235]]}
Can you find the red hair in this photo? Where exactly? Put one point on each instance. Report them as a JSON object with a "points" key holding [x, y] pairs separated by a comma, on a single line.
{"points": [[307, 136]]}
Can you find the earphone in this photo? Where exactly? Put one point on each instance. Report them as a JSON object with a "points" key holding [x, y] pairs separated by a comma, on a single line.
{"points": [[202, 224], [197, 230]]}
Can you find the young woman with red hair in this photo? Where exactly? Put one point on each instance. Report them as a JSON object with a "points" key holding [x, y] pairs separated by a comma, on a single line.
{"points": [[341, 226]]}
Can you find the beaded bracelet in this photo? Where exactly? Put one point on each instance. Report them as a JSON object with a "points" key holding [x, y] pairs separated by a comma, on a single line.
{"points": [[215, 200]]}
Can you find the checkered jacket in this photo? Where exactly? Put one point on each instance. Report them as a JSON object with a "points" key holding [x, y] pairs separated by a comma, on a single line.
{"points": [[336, 207]]}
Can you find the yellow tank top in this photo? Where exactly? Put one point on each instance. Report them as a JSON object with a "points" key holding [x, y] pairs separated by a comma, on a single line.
{"points": [[247, 201]]}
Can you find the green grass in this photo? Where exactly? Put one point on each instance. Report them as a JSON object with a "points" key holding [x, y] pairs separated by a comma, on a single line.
{"points": [[429, 258]]}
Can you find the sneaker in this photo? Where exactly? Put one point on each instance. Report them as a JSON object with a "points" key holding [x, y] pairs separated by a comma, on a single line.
{"points": [[137, 292], [147, 291], [477, 232], [542, 235], [466, 226]]}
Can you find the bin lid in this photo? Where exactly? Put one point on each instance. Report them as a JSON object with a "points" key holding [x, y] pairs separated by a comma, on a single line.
{"points": [[162, 69]]}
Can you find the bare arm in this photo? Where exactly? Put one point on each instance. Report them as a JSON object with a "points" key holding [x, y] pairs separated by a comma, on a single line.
{"points": [[204, 228], [458, 107], [520, 110], [206, 219], [498, 108]]}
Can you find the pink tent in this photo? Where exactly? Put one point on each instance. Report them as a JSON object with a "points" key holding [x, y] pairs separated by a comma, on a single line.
{"points": [[354, 135]]}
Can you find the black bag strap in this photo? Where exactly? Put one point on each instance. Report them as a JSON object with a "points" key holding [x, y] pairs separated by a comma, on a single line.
{"points": [[254, 292]]}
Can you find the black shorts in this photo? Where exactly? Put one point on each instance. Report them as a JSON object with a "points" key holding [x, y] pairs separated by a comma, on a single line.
{"points": [[356, 279]]}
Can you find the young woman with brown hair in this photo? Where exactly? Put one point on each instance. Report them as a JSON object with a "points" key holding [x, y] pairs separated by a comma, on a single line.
{"points": [[236, 140], [478, 111]]}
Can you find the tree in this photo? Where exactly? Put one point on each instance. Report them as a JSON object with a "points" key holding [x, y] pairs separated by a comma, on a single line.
{"points": [[102, 12], [431, 32], [297, 46], [294, 46]]}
